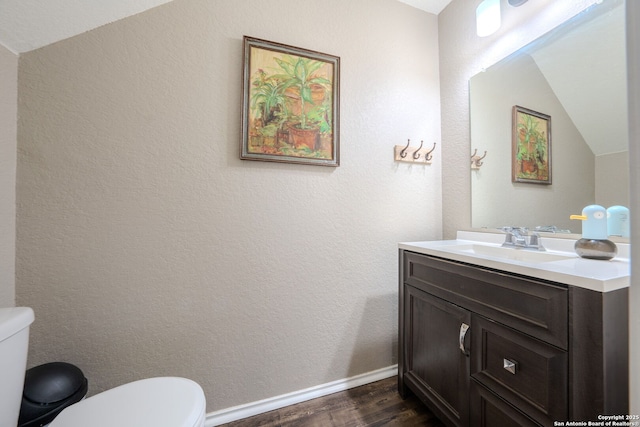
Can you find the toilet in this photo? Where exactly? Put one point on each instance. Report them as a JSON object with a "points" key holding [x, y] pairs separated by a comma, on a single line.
{"points": [[152, 402]]}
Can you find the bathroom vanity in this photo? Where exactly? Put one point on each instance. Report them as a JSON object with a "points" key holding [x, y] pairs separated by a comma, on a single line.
{"points": [[492, 336]]}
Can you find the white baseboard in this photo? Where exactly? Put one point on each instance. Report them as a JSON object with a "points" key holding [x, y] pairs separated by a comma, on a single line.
{"points": [[235, 413]]}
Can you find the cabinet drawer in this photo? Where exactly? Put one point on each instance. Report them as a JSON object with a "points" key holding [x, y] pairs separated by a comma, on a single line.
{"points": [[532, 306], [488, 410], [530, 374]]}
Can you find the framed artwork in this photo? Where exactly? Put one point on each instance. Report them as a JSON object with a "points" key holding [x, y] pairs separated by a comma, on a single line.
{"points": [[531, 146], [290, 106]]}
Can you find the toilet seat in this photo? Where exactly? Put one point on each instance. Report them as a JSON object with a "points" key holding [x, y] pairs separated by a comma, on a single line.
{"points": [[152, 402]]}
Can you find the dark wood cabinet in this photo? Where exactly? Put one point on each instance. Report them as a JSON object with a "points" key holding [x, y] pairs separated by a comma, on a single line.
{"points": [[483, 347]]}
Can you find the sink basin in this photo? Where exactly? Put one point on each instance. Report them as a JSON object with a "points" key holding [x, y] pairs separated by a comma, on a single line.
{"points": [[509, 253]]}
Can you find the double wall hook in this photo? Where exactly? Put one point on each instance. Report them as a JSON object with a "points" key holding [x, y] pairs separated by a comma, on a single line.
{"points": [[476, 160], [413, 155]]}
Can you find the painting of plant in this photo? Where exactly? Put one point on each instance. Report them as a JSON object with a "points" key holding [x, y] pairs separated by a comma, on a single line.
{"points": [[290, 104], [531, 146]]}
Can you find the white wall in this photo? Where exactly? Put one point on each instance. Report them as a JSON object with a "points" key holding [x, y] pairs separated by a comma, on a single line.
{"points": [[612, 169], [8, 126], [146, 247], [633, 64]]}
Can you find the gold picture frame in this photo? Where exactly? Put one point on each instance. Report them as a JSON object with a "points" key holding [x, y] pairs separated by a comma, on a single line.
{"points": [[531, 146], [290, 108]]}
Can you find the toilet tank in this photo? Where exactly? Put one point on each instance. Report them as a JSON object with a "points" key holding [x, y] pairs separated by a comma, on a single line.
{"points": [[14, 342]]}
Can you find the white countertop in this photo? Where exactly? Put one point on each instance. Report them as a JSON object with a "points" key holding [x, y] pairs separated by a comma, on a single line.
{"points": [[596, 275]]}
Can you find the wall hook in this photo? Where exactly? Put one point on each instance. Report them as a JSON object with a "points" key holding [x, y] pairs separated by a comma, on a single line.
{"points": [[416, 154], [410, 154], [403, 153], [428, 155], [476, 160]]}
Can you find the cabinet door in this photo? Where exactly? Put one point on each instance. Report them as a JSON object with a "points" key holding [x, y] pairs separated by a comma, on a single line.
{"points": [[436, 354]]}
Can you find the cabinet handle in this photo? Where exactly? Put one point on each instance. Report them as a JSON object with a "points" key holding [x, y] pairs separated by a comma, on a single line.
{"points": [[463, 332], [510, 365]]}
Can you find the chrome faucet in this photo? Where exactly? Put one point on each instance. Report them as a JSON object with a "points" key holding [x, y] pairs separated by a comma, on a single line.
{"points": [[550, 229], [519, 238]]}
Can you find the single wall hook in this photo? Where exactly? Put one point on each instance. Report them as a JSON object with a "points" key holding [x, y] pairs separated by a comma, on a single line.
{"points": [[416, 154], [428, 155], [403, 153]]}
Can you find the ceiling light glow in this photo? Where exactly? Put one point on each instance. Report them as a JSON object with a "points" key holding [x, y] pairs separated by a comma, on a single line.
{"points": [[487, 17]]}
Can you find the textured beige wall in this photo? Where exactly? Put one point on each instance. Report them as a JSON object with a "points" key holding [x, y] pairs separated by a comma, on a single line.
{"points": [[8, 125], [146, 247], [462, 55]]}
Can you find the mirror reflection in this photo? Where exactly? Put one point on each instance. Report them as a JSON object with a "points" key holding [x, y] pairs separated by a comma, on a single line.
{"points": [[575, 74]]}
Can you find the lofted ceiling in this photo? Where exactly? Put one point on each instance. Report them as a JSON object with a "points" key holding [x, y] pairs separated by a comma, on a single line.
{"points": [[586, 70], [431, 6], [26, 25]]}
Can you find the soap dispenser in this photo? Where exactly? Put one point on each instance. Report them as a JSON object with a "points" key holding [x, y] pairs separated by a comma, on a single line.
{"points": [[618, 221], [594, 243]]}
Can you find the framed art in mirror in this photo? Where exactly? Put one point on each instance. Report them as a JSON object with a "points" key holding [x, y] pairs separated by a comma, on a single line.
{"points": [[290, 107], [531, 146]]}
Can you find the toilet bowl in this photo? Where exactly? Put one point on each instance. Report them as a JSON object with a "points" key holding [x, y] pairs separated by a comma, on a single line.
{"points": [[152, 402]]}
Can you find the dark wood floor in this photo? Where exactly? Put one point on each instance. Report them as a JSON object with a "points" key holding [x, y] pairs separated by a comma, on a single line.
{"points": [[375, 404]]}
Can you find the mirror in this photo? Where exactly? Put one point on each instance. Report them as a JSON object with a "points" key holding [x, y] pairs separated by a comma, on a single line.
{"points": [[576, 74]]}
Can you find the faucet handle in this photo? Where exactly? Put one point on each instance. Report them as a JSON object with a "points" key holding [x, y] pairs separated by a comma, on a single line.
{"points": [[535, 241], [516, 237], [511, 236]]}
